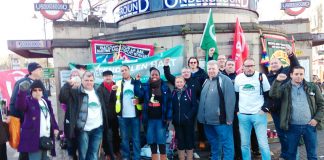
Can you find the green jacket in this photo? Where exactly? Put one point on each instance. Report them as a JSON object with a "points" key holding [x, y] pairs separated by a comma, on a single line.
{"points": [[314, 98]]}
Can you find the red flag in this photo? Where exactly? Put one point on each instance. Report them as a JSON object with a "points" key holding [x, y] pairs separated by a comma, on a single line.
{"points": [[240, 49]]}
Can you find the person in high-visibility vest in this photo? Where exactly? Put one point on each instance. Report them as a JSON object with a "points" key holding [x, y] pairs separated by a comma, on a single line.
{"points": [[157, 112], [128, 111]]}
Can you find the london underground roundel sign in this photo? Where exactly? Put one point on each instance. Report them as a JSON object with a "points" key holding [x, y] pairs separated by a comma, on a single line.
{"points": [[59, 7], [294, 8]]}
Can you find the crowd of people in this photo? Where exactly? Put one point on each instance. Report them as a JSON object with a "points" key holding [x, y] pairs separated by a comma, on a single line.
{"points": [[230, 111]]}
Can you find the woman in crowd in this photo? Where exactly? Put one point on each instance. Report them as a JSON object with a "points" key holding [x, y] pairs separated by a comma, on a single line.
{"points": [[184, 106], [39, 128], [200, 75], [156, 112]]}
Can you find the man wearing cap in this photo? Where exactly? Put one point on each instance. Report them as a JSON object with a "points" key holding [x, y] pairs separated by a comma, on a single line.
{"points": [[35, 72], [111, 138]]}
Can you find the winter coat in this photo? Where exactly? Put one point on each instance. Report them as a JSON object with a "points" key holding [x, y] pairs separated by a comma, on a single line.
{"points": [[75, 99], [143, 91], [184, 109], [314, 98], [30, 129], [274, 104]]}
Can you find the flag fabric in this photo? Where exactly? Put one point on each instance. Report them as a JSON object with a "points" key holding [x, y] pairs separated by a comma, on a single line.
{"points": [[240, 49], [208, 40]]}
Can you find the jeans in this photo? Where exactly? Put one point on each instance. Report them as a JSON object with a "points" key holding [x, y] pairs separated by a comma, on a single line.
{"points": [[89, 142], [125, 124], [295, 132], [39, 155], [281, 134], [156, 132], [220, 138], [259, 122]]}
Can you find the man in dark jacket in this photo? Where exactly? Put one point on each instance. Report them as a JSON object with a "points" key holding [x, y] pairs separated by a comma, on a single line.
{"points": [[111, 138], [274, 104], [88, 115], [301, 112], [35, 72]]}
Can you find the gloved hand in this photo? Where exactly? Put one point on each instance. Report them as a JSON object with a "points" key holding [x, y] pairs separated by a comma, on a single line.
{"points": [[24, 86]]}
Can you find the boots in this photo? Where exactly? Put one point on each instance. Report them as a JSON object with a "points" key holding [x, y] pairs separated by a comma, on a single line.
{"points": [[189, 154], [163, 157], [155, 157], [181, 154]]}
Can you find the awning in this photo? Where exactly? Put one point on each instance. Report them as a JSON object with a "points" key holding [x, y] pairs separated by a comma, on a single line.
{"points": [[31, 48]]}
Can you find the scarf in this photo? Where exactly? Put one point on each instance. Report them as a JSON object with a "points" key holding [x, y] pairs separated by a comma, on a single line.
{"points": [[108, 86], [179, 92], [156, 87]]}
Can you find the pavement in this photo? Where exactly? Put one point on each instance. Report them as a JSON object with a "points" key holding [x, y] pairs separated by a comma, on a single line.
{"points": [[204, 155]]}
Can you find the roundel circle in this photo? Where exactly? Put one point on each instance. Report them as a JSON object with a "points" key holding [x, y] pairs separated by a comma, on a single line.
{"points": [[292, 12], [53, 17]]}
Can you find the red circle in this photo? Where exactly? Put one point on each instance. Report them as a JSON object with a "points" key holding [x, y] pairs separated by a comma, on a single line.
{"points": [[51, 16], [291, 12]]}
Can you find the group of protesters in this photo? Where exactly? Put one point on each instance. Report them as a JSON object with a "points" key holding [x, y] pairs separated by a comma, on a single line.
{"points": [[230, 111]]}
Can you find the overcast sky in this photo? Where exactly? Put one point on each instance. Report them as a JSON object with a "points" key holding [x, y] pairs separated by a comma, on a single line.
{"points": [[18, 24]]}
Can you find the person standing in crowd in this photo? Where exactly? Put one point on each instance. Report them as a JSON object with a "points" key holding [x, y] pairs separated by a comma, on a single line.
{"points": [[301, 112], [216, 112], [39, 121], [317, 81], [4, 131], [111, 138], [88, 116], [252, 90], [200, 75], [184, 106], [191, 82], [221, 63], [156, 112], [72, 145], [276, 68], [34, 73], [128, 111]]}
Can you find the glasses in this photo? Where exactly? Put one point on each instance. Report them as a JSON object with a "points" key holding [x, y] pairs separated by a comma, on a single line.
{"points": [[248, 66], [193, 62], [39, 90]]}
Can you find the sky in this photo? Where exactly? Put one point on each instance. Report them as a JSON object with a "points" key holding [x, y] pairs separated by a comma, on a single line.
{"points": [[18, 22]]}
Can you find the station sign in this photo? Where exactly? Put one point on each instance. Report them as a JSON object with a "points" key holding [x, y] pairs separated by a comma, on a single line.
{"points": [[132, 8], [59, 9], [296, 7]]}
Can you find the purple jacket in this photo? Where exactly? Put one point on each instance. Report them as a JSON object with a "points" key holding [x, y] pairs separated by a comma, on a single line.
{"points": [[30, 129]]}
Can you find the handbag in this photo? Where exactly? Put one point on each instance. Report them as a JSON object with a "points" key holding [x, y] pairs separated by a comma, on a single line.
{"points": [[46, 143], [14, 132]]}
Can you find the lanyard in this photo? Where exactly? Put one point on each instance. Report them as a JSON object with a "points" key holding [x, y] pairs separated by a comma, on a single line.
{"points": [[45, 112]]}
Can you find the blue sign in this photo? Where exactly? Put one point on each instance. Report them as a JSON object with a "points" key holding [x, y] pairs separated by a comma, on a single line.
{"points": [[134, 7], [131, 8]]}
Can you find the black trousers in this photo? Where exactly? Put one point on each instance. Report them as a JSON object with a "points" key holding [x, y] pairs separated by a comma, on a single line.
{"points": [[185, 135], [3, 151]]}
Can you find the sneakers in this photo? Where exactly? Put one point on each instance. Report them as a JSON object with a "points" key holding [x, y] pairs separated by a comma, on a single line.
{"points": [[196, 156]]}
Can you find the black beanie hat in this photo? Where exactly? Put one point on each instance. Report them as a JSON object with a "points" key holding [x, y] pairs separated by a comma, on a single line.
{"points": [[33, 66], [107, 72], [153, 68], [37, 84]]}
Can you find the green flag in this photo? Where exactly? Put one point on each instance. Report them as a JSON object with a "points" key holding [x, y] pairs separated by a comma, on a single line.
{"points": [[208, 39]]}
